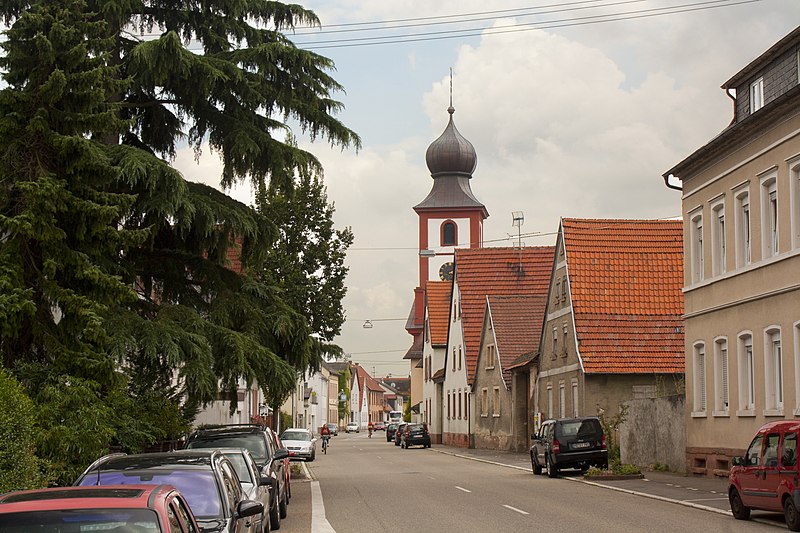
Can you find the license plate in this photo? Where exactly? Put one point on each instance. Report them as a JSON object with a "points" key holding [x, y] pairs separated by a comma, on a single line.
{"points": [[581, 444]]}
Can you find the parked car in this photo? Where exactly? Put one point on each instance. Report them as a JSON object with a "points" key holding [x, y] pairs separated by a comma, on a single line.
{"points": [[334, 429], [256, 486], [379, 426], [352, 427], [112, 508], [262, 445], [397, 434], [390, 431], [766, 477], [206, 478], [286, 466], [415, 435], [569, 443], [300, 443]]}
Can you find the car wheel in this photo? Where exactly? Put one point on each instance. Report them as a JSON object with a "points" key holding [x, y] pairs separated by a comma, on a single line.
{"points": [[551, 470], [791, 514], [283, 506], [738, 509], [313, 456], [274, 517], [534, 465]]}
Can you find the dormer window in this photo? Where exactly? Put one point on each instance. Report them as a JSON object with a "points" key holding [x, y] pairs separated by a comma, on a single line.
{"points": [[448, 234], [757, 95]]}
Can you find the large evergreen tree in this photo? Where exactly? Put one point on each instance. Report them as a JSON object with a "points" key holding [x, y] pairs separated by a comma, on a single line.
{"points": [[114, 270]]}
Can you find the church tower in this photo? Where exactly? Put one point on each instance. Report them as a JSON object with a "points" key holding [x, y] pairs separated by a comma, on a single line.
{"points": [[450, 217]]}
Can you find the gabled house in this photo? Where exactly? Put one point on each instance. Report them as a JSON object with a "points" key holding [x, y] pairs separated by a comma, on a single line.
{"points": [[614, 328], [358, 400], [371, 402], [741, 216], [481, 272], [511, 328], [437, 316]]}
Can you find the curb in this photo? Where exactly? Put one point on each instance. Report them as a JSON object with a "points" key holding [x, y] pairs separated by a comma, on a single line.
{"points": [[600, 485]]}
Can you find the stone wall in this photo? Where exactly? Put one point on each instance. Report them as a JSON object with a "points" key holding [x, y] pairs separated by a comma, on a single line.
{"points": [[655, 432]]}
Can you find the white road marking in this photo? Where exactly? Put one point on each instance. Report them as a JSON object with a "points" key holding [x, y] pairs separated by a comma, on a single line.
{"points": [[706, 500], [462, 488], [520, 511], [431, 477], [319, 524]]}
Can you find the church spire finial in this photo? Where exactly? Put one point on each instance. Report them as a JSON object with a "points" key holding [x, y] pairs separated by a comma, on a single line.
{"points": [[451, 109]]}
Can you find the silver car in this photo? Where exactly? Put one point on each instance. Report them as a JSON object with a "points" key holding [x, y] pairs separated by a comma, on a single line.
{"points": [[300, 443], [255, 485]]}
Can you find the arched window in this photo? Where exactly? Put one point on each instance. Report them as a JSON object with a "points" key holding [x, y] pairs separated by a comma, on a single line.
{"points": [[449, 234]]}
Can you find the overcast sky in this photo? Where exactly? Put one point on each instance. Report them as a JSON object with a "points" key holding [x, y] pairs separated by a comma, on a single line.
{"points": [[572, 121]]}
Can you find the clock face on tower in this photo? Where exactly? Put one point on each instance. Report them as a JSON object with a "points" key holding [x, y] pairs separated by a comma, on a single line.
{"points": [[446, 272]]}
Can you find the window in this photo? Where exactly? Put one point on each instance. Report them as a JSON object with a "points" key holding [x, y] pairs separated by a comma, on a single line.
{"points": [[490, 357], [747, 380], [773, 371], [753, 455], [448, 405], [794, 176], [564, 330], [448, 234], [789, 453], [721, 376], [562, 400], [757, 95], [454, 357], [549, 401], [496, 401], [696, 250], [460, 356], [484, 402], [555, 341], [718, 239], [564, 289], [699, 381], [742, 229], [558, 291], [459, 404], [769, 216], [575, 398]]}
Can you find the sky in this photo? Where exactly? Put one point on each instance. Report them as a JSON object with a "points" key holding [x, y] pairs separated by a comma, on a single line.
{"points": [[569, 116]]}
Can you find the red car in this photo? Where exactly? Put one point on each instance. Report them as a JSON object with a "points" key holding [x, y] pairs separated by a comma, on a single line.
{"points": [[125, 507], [766, 477]]}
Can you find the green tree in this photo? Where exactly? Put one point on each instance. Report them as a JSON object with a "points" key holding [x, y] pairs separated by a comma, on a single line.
{"points": [[19, 466], [114, 269]]}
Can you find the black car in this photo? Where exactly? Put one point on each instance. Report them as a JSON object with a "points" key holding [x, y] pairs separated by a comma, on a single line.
{"points": [[206, 478], [390, 431], [569, 443], [262, 445], [415, 435]]}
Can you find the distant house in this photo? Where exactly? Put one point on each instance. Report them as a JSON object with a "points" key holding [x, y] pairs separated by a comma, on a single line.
{"points": [[511, 328], [437, 316], [741, 217], [371, 397], [481, 272], [613, 329]]}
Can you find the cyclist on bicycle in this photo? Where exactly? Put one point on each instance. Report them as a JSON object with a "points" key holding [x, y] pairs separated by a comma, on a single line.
{"points": [[370, 428], [325, 433]]}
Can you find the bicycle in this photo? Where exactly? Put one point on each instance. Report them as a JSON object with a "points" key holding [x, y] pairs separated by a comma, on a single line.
{"points": [[325, 444]]}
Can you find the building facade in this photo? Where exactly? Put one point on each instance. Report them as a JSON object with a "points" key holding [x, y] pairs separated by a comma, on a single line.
{"points": [[741, 216]]}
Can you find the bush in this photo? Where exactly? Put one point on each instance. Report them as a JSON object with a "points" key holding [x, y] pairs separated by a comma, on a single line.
{"points": [[626, 469], [19, 466]]}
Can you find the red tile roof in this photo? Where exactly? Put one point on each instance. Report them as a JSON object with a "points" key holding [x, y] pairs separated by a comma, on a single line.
{"points": [[517, 323], [625, 282], [496, 271], [437, 295]]}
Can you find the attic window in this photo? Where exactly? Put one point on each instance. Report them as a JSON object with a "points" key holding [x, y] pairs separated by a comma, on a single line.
{"points": [[757, 95]]}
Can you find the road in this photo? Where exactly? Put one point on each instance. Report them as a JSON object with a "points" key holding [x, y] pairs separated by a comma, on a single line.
{"points": [[371, 485]]}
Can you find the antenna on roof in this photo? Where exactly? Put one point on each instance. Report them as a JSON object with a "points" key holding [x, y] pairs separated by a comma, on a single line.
{"points": [[517, 220]]}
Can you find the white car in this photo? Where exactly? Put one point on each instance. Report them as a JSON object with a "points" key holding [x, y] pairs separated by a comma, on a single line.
{"points": [[300, 443], [352, 427]]}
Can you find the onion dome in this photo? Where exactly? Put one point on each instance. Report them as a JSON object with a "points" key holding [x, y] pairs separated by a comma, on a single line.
{"points": [[451, 153]]}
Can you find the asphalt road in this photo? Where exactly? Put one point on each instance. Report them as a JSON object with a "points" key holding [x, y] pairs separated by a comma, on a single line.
{"points": [[371, 485]]}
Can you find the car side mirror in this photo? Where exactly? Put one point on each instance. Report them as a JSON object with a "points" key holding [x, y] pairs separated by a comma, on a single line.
{"points": [[738, 461], [249, 508], [267, 481], [281, 454]]}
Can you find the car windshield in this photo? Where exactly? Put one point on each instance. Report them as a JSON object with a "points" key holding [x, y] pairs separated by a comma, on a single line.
{"points": [[240, 465], [253, 443], [198, 486], [296, 435], [80, 520], [579, 428]]}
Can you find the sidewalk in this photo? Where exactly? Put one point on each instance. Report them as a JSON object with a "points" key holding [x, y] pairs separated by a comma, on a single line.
{"points": [[710, 494]]}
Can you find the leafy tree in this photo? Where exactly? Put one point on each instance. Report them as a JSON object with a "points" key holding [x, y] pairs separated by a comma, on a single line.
{"points": [[19, 466], [114, 269]]}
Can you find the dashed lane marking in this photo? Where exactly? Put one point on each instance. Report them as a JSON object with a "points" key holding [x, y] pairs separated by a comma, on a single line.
{"points": [[520, 511], [463, 489]]}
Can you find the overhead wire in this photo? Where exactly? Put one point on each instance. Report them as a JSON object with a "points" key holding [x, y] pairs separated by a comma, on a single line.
{"points": [[516, 28]]}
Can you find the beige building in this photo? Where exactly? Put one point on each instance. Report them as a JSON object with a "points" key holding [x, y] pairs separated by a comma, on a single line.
{"points": [[613, 328], [741, 216]]}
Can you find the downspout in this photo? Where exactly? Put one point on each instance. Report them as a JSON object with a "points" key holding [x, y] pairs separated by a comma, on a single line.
{"points": [[669, 185], [733, 98]]}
